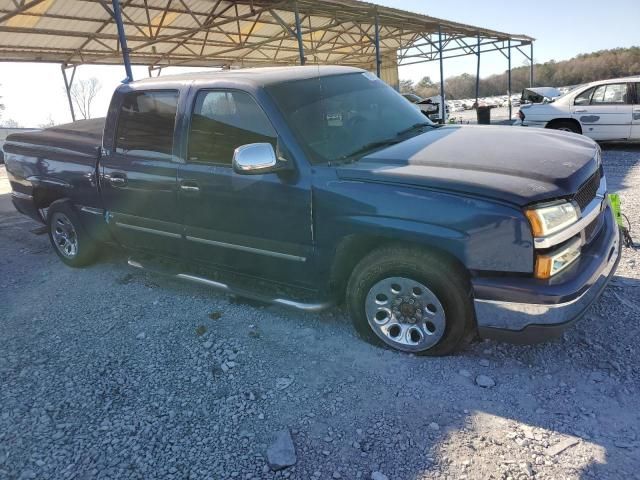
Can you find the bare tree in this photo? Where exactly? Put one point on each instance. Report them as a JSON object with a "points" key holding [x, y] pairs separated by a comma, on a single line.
{"points": [[1, 107], [10, 123], [49, 123], [83, 93]]}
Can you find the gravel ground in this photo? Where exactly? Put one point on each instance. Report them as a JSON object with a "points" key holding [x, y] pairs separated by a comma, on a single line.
{"points": [[106, 372]]}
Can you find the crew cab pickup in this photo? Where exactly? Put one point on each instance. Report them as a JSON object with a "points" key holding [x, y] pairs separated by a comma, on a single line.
{"points": [[307, 186]]}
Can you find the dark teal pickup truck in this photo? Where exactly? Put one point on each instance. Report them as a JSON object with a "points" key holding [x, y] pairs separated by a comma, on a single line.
{"points": [[308, 186]]}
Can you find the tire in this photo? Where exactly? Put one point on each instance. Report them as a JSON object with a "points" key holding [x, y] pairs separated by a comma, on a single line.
{"points": [[67, 236], [379, 293], [565, 126]]}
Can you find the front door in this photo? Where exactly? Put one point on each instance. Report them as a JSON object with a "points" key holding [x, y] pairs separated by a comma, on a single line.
{"points": [[604, 111], [635, 119], [138, 178], [252, 224]]}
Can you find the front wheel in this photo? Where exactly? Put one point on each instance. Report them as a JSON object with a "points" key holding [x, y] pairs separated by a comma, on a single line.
{"points": [[565, 127], [412, 301]]}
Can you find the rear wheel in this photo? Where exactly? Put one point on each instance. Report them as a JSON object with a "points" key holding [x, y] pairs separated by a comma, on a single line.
{"points": [[565, 126], [70, 242], [411, 300]]}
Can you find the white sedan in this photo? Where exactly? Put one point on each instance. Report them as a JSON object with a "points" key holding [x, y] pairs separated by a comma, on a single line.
{"points": [[605, 110]]}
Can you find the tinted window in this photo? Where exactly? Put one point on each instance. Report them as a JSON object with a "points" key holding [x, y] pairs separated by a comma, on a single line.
{"points": [[224, 120], [146, 123], [342, 116], [584, 98], [613, 93]]}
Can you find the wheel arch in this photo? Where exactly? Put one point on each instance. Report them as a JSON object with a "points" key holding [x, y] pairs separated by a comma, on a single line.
{"points": [[556, 121], [43, 197], [352, 249]]}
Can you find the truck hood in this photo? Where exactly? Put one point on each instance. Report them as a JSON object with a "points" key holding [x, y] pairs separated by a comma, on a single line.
{"points": [[510, 164]]}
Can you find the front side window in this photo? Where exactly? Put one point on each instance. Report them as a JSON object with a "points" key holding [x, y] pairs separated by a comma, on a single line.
{"points": [[343, 117], [612, 93], [224, 120], [585, 97], [146, 122]]}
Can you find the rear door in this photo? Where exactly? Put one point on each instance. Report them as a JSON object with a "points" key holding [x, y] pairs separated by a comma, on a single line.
{"points": [[139, 170], [604, 111], [252, 224], [635, 114]]}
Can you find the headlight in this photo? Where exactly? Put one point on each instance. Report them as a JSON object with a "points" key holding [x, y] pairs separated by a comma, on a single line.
{"points": [[552, 218], [548, 264]]}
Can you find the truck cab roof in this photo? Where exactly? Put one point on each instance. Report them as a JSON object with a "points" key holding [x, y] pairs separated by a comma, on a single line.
{"points": [[256, 77]]}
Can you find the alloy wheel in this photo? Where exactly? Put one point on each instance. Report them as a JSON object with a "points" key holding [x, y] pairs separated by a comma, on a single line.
{"points": [[64, 235]]}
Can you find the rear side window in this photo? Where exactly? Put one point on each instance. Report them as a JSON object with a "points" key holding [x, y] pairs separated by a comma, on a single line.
{"points": [[224, 120], [612, 93], [146, 123]]}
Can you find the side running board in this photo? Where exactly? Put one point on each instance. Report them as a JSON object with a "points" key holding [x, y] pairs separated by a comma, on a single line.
{"points": [[222, 287]]}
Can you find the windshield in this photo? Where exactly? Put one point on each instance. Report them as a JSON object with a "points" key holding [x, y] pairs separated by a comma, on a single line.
{"points": [[343, 117]]}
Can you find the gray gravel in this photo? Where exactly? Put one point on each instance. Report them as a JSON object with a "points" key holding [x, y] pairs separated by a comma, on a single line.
{"points": [[106, 372]]}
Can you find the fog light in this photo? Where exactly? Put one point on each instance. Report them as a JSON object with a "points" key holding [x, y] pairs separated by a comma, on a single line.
{"points": [[549, 264]]}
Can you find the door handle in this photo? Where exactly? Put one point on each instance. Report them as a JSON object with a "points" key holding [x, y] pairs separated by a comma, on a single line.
{"points": [[190, 187], [116, 179], [581, 111]]}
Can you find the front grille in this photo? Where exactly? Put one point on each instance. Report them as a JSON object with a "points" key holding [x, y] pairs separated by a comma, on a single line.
{"points": [[587, 192]]}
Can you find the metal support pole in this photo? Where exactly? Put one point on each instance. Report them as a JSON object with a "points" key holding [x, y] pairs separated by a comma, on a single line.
{"points": [[509, 76], [117, 16], [443, 105], [299, 33], [531, 66], [478, 72], [377, 43], [67, 87]]}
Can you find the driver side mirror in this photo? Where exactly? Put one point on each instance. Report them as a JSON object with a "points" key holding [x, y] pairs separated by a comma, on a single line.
{"points": [[256, 159]]}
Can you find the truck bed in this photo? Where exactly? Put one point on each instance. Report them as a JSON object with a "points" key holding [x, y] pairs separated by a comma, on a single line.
{"points": [[83, 136], [54, 163]]}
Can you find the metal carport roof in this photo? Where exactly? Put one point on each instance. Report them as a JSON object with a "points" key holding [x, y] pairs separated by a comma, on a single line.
{"points": [[228, 34], [231, 33]]}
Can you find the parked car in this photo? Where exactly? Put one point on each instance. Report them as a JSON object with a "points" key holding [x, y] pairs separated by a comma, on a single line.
{"points": [[604, 110], [539, 95], [306, 186], [430, 107]]}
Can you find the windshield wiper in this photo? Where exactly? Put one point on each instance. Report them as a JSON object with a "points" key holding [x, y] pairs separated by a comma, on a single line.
{"points": [[415, 126], [368, 147], [384, 143]]}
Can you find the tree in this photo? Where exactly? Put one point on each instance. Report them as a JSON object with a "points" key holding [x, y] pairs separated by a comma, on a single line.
{"points": [[48, 123], [406, 86], [10, 123], [426, 88], [584, 68], [1, 107], [83, 93]]}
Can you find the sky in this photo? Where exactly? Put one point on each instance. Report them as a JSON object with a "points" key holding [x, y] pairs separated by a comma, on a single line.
{"points": [[34, 93]]}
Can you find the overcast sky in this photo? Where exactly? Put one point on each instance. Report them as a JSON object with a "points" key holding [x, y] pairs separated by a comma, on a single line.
{"points": [[33, 93]]}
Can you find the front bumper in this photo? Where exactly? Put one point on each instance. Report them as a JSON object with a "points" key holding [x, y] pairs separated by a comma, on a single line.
{"points": [[527, 310]]}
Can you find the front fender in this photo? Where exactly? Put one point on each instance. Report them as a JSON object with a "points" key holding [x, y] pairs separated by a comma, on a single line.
{"points": [[483, 235]]}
